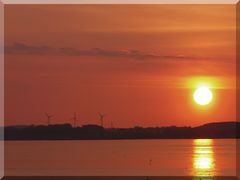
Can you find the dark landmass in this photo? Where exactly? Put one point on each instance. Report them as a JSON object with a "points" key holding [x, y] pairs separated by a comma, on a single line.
{"points": [[95, 132]]}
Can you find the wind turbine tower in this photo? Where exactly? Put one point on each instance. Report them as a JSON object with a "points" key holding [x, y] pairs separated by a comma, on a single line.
{"points": [[48, 118], [74, 120], [101, 118]]}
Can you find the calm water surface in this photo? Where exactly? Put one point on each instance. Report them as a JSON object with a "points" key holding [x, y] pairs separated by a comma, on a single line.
{"points": [[199, 157]]}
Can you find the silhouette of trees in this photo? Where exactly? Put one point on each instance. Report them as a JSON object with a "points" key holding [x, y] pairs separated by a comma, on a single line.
{"points": [[92, 131]]}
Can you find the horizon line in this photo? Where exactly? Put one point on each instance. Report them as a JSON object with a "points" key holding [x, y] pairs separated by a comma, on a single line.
{"points": [[18, 125]]}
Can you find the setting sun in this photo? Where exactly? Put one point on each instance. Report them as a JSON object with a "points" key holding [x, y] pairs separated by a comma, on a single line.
{"points": [[203, 95]]}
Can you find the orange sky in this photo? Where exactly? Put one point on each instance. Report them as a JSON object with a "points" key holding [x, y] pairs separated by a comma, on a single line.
{"points": [[139, 64]]}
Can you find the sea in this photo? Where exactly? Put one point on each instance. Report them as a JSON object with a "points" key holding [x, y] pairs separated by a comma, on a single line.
{"points": [[164, 157]]}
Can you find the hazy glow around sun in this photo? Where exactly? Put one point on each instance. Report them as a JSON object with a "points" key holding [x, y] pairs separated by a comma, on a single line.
{"points": [[203, 95]]}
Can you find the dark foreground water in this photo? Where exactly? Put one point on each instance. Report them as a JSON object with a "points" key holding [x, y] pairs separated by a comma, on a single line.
{"points": [[199, 157]]}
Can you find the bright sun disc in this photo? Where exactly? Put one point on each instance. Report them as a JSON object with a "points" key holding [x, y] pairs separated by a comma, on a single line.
{"points": [[203, 95]]}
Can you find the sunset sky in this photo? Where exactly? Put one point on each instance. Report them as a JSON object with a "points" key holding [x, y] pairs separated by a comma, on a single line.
{"points": [[138, 64]]}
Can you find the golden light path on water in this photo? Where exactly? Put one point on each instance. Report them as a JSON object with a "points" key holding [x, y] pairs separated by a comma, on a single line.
{"points": [[203, 157]]}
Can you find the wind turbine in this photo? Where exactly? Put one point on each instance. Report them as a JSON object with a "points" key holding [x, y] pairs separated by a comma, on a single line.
{"points": [[101, 118], [74, 118], [48, 118]]}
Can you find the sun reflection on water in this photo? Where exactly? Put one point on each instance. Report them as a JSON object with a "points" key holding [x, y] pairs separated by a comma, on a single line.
{"points": [[203, 157]]}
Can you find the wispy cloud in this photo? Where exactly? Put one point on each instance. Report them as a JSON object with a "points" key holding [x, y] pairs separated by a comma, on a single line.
{"points": [[22, 48]]}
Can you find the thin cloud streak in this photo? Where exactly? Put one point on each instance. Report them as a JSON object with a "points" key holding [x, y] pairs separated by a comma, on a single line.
{"points": [[22, 48]]}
